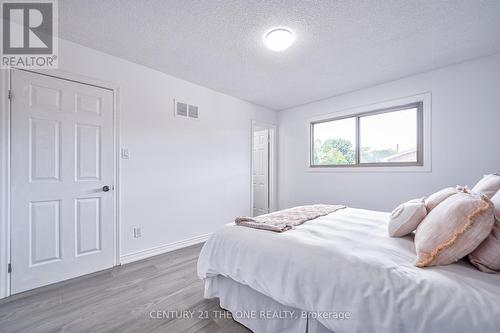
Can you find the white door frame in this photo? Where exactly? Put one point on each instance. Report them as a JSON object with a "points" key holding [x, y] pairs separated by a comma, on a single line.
{"points": [[273, 163], [5, 160]]}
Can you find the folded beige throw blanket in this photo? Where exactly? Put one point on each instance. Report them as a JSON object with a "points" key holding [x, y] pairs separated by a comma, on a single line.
{"points": [[284, 220]]}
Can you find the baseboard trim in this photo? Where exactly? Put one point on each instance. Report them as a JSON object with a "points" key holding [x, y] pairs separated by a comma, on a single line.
{"points": [[154, 251]]}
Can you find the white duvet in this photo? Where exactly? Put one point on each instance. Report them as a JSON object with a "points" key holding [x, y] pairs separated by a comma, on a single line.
{"points": [[346, 262]]}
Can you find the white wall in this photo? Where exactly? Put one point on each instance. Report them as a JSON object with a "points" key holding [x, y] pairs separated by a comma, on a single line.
{"points": [[184, 178], [465, 139]]}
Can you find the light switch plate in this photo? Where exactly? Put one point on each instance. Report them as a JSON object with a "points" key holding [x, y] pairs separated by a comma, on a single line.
{"points": [[125, 154]]}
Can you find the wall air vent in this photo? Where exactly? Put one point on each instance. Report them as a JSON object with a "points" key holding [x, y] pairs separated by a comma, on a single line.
{"points": [[181, 109], [193, 111], [185, 110]]}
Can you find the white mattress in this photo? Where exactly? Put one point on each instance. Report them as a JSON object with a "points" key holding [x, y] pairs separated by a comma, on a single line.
{"points": [[346, 262]]}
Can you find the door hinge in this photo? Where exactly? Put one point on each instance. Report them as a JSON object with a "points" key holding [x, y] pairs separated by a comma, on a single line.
{"points": [[9, 268], [9, 96]]}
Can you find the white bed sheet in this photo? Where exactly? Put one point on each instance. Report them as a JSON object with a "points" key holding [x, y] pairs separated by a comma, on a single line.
{"points": [[346, 262]]}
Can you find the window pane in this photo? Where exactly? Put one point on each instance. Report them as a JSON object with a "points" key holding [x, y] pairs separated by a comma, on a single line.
{"points": [[334, 142], [389, 137]]}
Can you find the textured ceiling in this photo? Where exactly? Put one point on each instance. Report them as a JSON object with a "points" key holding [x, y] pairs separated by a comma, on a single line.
{"points": [[341, 45]]}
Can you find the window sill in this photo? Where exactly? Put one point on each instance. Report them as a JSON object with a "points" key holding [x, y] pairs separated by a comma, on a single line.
{"points": [[369, 169]]}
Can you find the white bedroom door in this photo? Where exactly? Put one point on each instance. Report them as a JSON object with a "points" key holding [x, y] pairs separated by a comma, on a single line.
{"points": [[260, 174], [62, 174]]}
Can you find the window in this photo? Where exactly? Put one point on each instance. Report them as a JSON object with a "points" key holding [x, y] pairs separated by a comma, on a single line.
{"points": [[387, 137]]}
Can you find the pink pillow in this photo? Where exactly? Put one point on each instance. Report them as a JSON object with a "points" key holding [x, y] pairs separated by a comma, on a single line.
{"points": [[436, 198], [453, 229], [487, 256], [488, 185], [496, 202]]}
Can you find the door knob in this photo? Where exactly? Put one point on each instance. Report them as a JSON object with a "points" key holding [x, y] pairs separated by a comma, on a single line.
{"points": [[106, 188]]}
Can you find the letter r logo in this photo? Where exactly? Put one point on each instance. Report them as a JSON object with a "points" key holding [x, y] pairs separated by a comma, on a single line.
{"points": [[27, 27]]}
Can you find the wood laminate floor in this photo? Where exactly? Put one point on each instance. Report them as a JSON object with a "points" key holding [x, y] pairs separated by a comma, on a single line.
{"points": [[122, 299]]}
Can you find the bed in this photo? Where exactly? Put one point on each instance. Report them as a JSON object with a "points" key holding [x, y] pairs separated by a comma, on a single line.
{"points": [[342, 273]]}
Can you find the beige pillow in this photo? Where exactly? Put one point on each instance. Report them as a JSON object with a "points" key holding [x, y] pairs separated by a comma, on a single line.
{"points": [[488, 185], [436, 198], [406, 217], [496, 202], [453, 229], [487, 255]]}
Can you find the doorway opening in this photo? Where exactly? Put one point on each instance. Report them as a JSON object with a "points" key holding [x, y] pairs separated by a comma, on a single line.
{"points": [[263, 164]]}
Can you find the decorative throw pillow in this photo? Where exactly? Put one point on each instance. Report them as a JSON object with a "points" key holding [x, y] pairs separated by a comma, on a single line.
{"points": [[496, 202], [406, 217], [436, 198], [487, 255], [488, 185], [453, 229]]}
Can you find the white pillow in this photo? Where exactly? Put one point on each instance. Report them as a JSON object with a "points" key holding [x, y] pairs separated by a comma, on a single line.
{"points": [[435, 199], [488, 185], [406, 217]]}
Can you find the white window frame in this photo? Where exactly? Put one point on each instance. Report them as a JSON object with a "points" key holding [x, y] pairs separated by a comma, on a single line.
{"points": [[424, 164]]}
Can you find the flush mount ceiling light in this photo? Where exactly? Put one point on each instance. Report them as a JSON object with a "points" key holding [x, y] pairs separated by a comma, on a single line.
{"points": [[279, 39]]}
